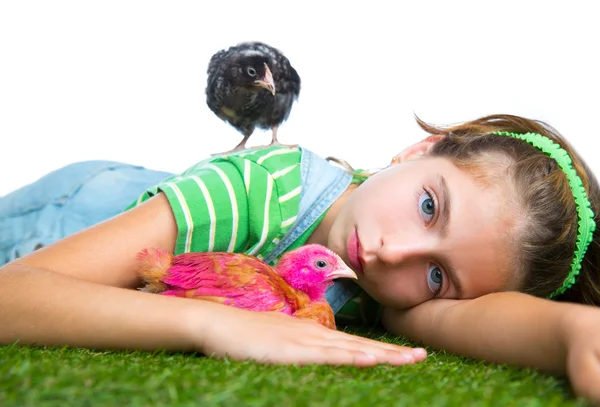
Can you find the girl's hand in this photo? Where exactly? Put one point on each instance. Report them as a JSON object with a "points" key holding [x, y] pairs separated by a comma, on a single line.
{"points": [[582, 329], [273, 337]]}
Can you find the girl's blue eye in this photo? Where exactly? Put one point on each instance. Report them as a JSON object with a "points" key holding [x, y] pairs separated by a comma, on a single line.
{"points": [[426, 206], [435, 279]]}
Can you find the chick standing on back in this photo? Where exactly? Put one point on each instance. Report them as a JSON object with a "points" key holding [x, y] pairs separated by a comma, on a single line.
{"points": [[252, 85]]}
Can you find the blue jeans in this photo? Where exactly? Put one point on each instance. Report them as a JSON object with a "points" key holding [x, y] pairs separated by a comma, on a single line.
{"points": [[66, 201]]}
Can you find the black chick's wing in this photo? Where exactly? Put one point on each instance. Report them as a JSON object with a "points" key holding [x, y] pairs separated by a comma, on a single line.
{"points": [[215, 84]]}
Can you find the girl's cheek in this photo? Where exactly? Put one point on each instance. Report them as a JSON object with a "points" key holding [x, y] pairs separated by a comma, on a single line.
{"points": [[404, 289]]}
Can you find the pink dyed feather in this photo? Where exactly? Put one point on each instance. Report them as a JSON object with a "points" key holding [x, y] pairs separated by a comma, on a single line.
{"points": [[246, 282]]}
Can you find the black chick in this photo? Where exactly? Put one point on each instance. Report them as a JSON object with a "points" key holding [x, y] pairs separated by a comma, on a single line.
{"points": [[252, 85]]}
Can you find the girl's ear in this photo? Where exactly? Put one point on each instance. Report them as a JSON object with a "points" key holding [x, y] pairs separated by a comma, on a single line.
{"points": [[417, 150]]}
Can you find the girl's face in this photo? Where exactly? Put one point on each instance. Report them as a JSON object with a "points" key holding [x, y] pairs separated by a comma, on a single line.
{"points": [[425, 229]]}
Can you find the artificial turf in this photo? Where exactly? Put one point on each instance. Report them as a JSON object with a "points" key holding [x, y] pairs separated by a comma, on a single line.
{"points": [[73, 377]]}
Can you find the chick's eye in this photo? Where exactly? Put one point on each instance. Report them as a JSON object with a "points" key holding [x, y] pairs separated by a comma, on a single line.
{"points": [[320, 264], [251, 71], [426, 206], [435, 279]]}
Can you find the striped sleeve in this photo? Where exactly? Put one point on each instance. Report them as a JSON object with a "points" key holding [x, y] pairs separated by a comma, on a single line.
{"points": [[239, 203]]}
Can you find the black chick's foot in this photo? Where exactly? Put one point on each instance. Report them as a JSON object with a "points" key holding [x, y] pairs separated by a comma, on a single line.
{"points": [[240, 147], [233, 150], [277, 143]]}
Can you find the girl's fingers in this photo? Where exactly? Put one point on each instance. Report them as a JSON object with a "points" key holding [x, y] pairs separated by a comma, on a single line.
{"points": [[585, 374], [340, 356], [307, 355], [393, 355], [362, 351], [359, 341], [383, 349]]}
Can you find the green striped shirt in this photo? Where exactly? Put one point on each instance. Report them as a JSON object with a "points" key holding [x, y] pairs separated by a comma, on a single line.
{"points": [[244, 202]]}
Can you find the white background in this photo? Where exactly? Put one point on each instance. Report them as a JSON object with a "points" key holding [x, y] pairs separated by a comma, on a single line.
{"points": [[124, 80]]}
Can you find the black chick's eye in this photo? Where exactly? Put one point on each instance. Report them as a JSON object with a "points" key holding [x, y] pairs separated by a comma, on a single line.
{"points": [[251, 71], [321, 264]]}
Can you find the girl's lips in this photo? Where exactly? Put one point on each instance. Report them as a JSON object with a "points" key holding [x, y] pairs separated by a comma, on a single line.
{"points": [[353, 249]]}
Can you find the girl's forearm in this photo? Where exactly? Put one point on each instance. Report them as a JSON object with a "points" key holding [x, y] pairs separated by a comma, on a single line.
{"points": [[45, 308], [510, 327]]}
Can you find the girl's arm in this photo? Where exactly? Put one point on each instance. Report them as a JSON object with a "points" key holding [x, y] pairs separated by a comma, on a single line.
{"points": [[511, 328], [75, 292]]}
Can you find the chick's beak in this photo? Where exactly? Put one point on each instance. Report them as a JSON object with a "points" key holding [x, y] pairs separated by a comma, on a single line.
{"points": [[267, 81], [342, 272]]}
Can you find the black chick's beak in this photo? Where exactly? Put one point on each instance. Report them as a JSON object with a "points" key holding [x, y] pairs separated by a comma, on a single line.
{"points": [[267, 81]]}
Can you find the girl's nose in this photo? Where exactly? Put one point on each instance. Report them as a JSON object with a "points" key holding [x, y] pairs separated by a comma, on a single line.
{"points": [[396, 250]]}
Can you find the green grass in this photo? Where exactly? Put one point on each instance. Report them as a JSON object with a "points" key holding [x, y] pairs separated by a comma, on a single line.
{"points": [[71, 377]]}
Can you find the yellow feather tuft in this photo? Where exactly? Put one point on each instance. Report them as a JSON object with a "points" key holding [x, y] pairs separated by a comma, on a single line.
{"points": [[153, 266]]}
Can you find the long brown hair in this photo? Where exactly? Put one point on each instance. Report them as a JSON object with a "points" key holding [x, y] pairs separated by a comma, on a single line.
{"points": [[545, 241]]}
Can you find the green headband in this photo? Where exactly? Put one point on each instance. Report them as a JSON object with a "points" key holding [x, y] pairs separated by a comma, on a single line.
{"points": [[586, 224]]}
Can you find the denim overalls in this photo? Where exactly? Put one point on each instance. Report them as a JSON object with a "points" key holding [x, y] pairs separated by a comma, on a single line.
{"points": [[66, 201]]}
